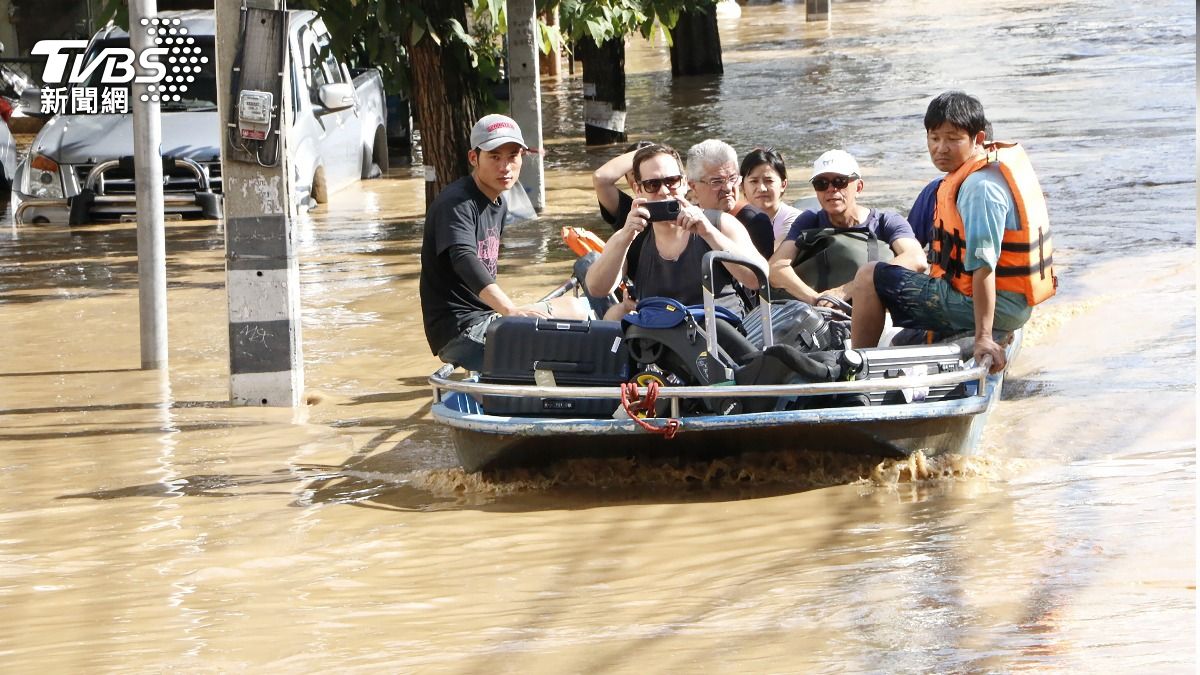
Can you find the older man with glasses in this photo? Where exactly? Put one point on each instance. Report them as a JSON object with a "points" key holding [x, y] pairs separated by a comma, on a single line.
{"points": [[712, 173], [823, 250]]}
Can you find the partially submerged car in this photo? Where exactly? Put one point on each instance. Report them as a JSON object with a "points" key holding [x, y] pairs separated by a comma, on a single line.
{"points": [[79, 168], [8, 156]]}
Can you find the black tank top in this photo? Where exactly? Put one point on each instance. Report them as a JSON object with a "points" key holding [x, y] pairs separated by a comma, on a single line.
{"points": [[680, 278]]}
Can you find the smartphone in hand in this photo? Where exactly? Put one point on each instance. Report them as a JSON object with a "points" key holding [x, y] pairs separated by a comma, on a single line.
{"points": [[666, 210]]}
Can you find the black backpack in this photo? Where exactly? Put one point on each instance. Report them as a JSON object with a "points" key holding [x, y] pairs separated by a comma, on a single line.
{"points": [[677, 347]]}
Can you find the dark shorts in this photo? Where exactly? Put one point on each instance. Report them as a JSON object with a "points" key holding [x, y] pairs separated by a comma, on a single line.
{"points": [[920, 301], [466, 350], [916, 300]]}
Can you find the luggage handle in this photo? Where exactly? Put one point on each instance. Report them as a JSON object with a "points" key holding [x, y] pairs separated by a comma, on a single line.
{"points": [[569, 325], [710, 310], [563, 366]]}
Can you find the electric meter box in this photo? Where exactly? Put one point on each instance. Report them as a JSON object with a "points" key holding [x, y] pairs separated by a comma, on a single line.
{"points": [[254, 114]]}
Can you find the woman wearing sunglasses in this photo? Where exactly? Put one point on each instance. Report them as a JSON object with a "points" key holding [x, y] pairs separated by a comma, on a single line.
{"points": [[837, 182], [662, 254]]}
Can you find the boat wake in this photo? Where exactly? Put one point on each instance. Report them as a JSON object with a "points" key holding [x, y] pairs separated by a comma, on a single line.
{"points": [[752, 474]]}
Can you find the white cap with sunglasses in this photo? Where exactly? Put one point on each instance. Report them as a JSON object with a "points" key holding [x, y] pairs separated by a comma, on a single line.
{"points": [[837, 162]]}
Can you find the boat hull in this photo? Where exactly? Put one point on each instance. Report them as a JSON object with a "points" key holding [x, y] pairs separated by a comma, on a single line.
{"points": [[483, 442]]}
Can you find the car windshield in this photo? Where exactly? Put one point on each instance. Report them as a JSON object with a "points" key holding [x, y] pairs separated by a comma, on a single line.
{"points": [[191, 79]]}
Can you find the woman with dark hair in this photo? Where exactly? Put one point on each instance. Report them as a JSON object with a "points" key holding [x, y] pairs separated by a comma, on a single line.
{"points": [[764, 179]]}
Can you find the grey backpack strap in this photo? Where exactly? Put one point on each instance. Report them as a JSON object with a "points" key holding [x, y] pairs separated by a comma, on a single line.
{"points": [[872, 246], [823, 270]]}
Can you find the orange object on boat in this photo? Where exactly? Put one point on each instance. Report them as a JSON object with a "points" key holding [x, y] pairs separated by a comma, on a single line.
{"points": [[582, 241]]}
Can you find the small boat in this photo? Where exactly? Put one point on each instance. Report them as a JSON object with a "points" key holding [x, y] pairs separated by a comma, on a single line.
{"points": [[901, 399]]}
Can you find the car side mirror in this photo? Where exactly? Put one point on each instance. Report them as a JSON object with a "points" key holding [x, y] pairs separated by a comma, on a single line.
{"points": [[30, 104], [337, 96]]}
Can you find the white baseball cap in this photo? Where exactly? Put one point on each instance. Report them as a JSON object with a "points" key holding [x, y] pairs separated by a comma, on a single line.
{"points": [[835, 161], [493, 131]]}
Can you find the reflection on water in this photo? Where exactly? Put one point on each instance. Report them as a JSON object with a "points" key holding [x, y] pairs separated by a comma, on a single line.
{"points": [[145, 525]]}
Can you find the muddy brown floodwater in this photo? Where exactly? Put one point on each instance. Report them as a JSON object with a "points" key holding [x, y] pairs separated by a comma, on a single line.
{"points": [[146, 525]]}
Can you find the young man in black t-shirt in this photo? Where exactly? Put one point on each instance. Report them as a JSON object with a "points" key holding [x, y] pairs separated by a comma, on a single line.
{"points": [[461, 249]]}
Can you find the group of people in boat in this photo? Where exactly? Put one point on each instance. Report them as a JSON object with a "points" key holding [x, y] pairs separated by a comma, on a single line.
{"points": [[974, 254]]}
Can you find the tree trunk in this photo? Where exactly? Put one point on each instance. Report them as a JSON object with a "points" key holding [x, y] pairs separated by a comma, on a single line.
{"points": [[603, 91], [696, 43], [446, 103]]}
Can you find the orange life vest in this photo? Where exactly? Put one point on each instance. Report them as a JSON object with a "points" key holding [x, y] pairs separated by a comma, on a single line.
{"points": [[1026, 254]]}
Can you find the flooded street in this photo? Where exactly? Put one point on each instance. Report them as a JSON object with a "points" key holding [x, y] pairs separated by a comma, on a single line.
{"points": [[145, 525]]}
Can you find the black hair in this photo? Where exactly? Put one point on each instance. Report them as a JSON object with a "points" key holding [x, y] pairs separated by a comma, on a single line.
{"points": [[639, 145], [958, 108], [650, 151], [760, 156]]}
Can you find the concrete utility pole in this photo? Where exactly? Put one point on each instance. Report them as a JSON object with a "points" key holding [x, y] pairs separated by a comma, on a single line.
{"points": [[148, 180], [262, 279], [818, 10], [525, 93]]}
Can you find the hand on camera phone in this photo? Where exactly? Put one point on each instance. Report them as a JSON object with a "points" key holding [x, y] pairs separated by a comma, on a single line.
{"points": [[692, 218]]}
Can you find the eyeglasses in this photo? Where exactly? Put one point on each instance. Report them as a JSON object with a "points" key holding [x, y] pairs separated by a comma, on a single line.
{"points": [[822, 184], [655, 184], [718, 183]]}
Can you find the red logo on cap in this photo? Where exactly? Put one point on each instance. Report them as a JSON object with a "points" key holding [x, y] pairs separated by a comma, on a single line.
{"points": [[499, 125]]}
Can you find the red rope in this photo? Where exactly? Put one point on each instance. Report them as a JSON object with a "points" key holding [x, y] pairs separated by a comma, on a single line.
{"points": [[634, 403]]}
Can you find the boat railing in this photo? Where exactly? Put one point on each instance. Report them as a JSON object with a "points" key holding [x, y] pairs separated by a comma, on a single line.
{"points": [[442, 383]]}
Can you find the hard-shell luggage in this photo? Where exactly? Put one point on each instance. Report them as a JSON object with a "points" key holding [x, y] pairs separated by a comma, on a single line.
{"points": [[547, 352], [895, 362]]}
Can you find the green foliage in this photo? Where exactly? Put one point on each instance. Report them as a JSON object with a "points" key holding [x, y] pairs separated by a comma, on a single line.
{"points": [[550, 38], [115, 11], [489, 25], [367, 33], [603, 20], [600, 20], [374, 33]]}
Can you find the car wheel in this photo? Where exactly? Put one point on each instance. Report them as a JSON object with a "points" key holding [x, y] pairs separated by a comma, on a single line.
{"points": [[377, 162], [320, 190]]}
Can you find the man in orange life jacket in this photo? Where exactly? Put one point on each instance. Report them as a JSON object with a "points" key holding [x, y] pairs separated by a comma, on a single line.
{"points": [[991, 253]]}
